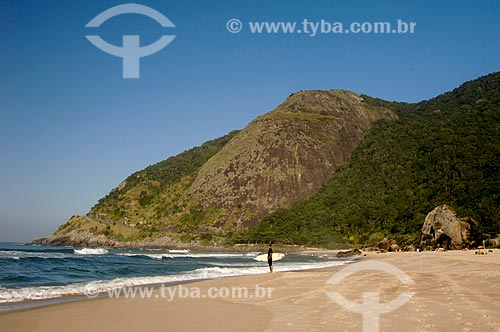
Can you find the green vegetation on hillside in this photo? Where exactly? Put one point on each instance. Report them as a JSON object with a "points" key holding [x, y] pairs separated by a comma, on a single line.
{"points": [[153, 201], [442, 151]]}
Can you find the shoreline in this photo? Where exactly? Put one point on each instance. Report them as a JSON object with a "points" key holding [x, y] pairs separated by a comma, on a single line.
{"points": [[11, 307], [28, 304]]}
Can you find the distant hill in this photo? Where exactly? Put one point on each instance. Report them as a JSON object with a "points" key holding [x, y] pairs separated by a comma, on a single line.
{"points": [[324, 167]]}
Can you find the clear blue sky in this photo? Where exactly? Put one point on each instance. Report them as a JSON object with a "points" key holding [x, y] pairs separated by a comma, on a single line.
{"points": [[71, 128]]}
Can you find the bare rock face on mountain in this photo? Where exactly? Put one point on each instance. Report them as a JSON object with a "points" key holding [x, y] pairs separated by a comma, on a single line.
{"points": [[443, 228], [284, 156], [77, 239]]}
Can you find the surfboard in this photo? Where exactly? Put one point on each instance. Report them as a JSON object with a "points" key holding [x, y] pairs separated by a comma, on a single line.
{"points": [[276, 257]]}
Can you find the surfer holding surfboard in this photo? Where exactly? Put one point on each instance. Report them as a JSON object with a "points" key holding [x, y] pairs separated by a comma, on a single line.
{"points": [[270, 258]]}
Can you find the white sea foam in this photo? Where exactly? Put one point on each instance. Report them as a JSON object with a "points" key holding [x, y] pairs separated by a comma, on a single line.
{"points": [[46, 292], [153, 256], [179, 251], [213, 255], [188, 254], [90, 251], [14, 254]]}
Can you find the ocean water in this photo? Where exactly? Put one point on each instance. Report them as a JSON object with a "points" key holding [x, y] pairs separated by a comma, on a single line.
{"points": [[30, 273]]}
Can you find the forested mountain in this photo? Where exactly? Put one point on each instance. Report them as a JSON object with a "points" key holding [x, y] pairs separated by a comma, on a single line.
{"points": [[445, 150], [325, 167]]}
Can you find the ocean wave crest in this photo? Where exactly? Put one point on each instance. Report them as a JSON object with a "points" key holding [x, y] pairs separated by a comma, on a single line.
{"points": [[91, 251], [153, 256], [16, 254], [186, 254]]}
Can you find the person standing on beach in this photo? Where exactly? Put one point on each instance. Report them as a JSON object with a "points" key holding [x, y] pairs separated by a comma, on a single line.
{"points": [[270, 258]]}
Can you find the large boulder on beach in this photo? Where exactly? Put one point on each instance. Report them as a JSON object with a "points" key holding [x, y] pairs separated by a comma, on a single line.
{"points": [[443, 228], [494, 242], [349, 253], [388, 245]]}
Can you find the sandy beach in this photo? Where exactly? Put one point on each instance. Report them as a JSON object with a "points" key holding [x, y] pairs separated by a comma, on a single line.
{"points": [[452, 291]]}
